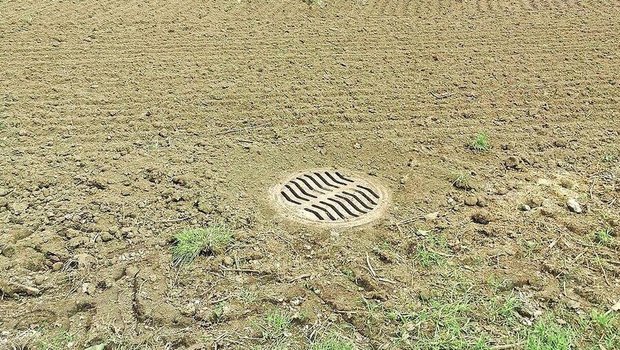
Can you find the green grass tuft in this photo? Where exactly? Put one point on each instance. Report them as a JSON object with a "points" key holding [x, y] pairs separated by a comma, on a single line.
{"points": [[462, 181], [191, 242], [58, 341], [547, 335], [277, 324], [603, 236], [332, 343], [610, 157], [427, 257], [481, 143], [603, 320]]}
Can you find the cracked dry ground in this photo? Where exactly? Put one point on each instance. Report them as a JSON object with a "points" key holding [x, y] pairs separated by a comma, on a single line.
{"points": [[124, 122]]}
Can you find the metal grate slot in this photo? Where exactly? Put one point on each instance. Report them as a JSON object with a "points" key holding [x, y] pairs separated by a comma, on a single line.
{"points": [[331, 197]]}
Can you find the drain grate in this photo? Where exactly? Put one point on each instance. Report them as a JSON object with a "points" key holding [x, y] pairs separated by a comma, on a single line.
{"points": [[332, 197]]}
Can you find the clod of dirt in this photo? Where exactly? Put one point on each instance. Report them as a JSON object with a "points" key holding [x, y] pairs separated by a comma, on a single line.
{"points": [[364, 281], [35, 318], [560, 143], [385, 256], [39, 280], [7, 250], [18, 207], [78, 242], [550, 293], [20, 234], [83, 304], [482, 218], [12, 289], [206, 207], [568, 184], [548, 212], [513, 162], [471, 200], [426, 294], [85, 261], [574, 206], [527, 309], [181, 180], [536, 201], [500, 191]]}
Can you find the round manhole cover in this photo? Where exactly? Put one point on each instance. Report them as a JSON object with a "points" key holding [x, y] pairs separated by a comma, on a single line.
{"points": [[337, 198]]}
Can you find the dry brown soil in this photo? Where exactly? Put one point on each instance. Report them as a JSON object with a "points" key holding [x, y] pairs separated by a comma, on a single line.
{"points": [[124, 122]]}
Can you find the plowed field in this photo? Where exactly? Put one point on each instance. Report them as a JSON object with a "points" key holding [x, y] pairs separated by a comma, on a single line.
{"points": [[123, 123]]}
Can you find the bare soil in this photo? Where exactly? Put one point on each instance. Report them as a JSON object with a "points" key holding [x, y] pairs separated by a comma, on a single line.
{"points": [[124, 122]]}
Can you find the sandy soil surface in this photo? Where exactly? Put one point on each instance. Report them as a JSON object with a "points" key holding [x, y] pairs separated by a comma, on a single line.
{"points": [[125, 122]]}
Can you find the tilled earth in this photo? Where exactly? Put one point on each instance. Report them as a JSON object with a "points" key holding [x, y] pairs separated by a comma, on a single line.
{"points": [[125, 122]]}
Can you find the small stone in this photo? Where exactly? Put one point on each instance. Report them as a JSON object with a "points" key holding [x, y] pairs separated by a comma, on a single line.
{"points": [[482, 202], [57, 266], [404, 179], [228, 261], [131, 271], [88, 288], [574, 206], [471, 200], [431, 216], [575, 305], [189, 310], [38, 280], [525, 207], [106, 237]]}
